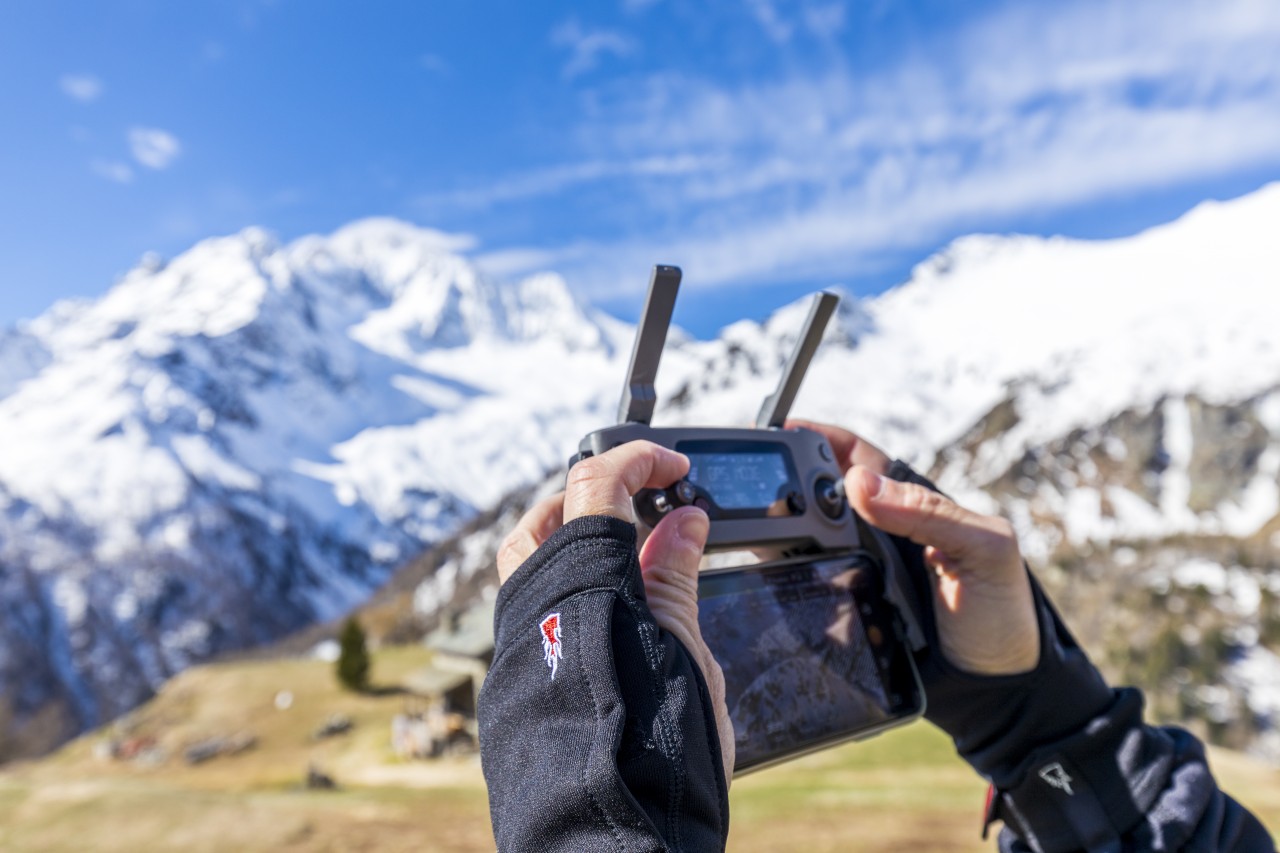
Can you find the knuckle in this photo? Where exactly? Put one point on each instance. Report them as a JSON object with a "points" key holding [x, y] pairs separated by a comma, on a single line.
{"points": [[1004, 537], [510, 545], [676, 581], [925, 502], [1002, 528], [589, 471]]}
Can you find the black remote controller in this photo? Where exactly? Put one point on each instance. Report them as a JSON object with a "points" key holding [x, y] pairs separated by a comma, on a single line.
{"points": [[837, 597], [763, 486]]}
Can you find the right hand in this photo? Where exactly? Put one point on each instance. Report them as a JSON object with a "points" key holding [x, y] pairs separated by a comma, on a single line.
{"points": [[983, 605]]}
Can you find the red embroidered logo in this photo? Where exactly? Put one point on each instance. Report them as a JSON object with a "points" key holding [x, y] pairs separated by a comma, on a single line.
{"points": [[551, 648]]}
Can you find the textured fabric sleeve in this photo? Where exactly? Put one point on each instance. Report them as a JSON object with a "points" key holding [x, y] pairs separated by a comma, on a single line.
{"points": [[596, 728], [1072, 766]]}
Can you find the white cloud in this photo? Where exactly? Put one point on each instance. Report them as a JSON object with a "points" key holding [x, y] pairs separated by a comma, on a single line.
{"points": [[112, 170], [555, 179], [153, 148], [779, 21], [587, 46], [1029, 110], [504, 263], [773, 23], [81, 87], [824, 19], [434, 62]]}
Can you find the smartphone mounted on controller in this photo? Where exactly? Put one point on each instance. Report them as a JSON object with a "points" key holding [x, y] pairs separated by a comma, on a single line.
{"points": [[815, 646]]}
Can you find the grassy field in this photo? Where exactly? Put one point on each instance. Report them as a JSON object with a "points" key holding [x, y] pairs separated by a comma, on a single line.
{"points": [[902, 791]]}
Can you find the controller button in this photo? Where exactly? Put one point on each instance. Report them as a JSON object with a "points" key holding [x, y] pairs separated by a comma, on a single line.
{"points": [[685, 492], [830, 498], [702, 504], [824, 450], [795, 503]]}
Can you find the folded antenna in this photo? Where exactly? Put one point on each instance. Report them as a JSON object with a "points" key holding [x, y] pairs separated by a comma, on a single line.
{"points": [[778, 404], [639, 394]]}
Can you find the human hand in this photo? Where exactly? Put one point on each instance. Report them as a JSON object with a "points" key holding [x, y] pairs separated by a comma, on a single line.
{"points": [[604, 485], [983, 605]]}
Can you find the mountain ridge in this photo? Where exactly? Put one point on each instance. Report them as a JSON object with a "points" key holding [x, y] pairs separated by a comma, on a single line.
{"points": [[250, 437]]}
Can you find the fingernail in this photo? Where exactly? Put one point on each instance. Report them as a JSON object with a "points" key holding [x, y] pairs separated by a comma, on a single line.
{"points": [[872, 483], [692, 528]]}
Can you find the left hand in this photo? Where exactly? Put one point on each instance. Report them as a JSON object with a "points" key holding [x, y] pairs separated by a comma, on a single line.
{"points": [[669, 558]]}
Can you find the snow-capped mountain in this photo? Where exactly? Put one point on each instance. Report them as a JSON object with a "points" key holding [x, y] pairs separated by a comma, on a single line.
{"points": [[1119, 400], [245, 440], [251, 437]]}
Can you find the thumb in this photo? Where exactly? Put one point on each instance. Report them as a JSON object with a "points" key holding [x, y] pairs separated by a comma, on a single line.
{"points": [[669, 563], [929, 518]]}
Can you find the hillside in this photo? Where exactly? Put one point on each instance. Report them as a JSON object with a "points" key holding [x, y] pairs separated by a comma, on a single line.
{"points": [[252, 438], [901, 791]]}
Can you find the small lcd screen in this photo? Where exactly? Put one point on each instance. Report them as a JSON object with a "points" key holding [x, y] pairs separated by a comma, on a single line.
{"points": [[799, 660], [739, 480]]}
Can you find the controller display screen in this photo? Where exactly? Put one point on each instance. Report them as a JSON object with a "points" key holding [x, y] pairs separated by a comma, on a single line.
{"points": [[739, 478], [804, 655]]}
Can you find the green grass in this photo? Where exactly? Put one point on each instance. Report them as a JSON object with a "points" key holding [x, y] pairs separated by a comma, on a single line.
{"points": [[902, 791]]}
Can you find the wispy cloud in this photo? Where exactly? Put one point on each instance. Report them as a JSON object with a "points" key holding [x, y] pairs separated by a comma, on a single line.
{"points": [[434, 63], [587, 45], [81, 87], [555, 179], [771, 20], [1023, 112], [112, 170], [781, 21], [154, 148]]}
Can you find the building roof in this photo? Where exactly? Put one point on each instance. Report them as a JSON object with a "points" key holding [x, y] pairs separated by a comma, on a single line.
{"points": [[430, 681], [467, 634]]}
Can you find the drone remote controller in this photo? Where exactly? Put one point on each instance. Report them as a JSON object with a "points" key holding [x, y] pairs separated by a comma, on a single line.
{"points": [[836, 664], [766, 486]]}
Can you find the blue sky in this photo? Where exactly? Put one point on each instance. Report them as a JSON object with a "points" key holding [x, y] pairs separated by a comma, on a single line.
{"points": [[769, 147]]}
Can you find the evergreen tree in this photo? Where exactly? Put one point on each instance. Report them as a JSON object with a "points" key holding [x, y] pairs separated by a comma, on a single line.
{"points": [[353, 657]]}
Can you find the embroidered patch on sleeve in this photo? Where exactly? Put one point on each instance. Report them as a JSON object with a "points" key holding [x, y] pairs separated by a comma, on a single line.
{"points": [[552, 650], [1057, 777]]}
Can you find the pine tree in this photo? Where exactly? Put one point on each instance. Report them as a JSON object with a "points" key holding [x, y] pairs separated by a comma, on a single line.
{"points": [[353, 657]]}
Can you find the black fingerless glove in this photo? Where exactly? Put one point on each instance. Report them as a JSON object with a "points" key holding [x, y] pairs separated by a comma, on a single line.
{"points": [[1036, 735]]}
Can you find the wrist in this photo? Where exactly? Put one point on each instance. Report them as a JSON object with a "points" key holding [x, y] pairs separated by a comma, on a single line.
{"points": [[992, 629]]}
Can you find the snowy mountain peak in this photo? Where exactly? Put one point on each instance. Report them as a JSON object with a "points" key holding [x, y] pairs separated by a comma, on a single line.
{"points": [[249, 438]]}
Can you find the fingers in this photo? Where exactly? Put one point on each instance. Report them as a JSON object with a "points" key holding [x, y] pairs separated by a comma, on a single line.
{"points": [[601, 485], [984, 607], [850, 449], [604, 484], [929, 518], [534, 527], [670, 557]]}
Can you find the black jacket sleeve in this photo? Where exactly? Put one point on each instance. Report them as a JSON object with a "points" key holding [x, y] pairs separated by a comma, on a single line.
{"points": [[1072, 766], [596, 728]]}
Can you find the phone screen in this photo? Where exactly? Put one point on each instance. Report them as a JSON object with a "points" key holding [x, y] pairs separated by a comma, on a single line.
{"points": [[810, 655]]}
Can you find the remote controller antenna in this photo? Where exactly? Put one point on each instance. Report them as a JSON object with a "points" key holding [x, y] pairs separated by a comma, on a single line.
{"points": [[639, 394], [778, 404]]}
